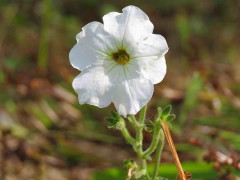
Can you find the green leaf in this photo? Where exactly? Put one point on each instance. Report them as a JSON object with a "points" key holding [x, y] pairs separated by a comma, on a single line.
{"points": [[170, 117], [169, 125], [191, 97], [114, 114], [160, 110], [112, 122], [166, 111]]}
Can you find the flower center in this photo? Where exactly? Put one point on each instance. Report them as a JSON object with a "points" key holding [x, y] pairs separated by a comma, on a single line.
{"points": [[121, 57]]}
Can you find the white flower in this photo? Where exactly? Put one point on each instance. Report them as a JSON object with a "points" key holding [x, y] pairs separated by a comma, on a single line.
{"points": [[120, 61]]}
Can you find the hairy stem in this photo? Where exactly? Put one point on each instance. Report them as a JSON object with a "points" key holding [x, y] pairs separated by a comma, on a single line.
{"points": [[126, 133], [158, 154], [155, 140], [139, 139], [133, 120]]}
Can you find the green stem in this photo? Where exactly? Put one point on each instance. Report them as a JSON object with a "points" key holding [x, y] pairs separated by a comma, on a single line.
{"points": [[139, 139], [155, 140], [139, 128], [133, 120], [46, 14], [126, 133], [137, 144], [158, 155]]}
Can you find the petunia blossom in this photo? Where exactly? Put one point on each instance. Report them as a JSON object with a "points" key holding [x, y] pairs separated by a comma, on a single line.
{"points": [[120, 61]]}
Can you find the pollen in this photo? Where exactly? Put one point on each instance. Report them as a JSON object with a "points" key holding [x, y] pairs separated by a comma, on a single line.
{"points": [[121, 57]]}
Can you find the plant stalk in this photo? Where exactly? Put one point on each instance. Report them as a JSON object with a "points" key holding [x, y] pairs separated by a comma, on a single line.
{"points": [[139, 140], [174, 151], [158, 154], [155, 140], [126, 133]]}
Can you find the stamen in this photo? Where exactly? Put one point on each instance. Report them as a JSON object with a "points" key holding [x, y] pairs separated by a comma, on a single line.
{"points": [[121, 57]]}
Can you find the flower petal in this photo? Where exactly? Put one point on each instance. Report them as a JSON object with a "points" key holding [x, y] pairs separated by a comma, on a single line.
{"points": [[93, 86], [152, 68], [93, 45], [149, 45], [130, 96], [120, 73], [128, 26]]}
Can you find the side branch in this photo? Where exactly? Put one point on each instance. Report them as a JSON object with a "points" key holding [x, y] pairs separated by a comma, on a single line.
{"points": [[125, 132], [156, 136]]}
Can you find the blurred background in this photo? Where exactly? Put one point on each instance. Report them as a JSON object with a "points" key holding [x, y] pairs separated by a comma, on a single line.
{"points": [[46, 135]]}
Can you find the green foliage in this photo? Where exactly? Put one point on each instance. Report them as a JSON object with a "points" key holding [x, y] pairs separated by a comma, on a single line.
{"points": [[200, 171], [191, 97], [194, 87], [114, 114], [46, 14], [149, 126], [164, 115], [170, 117], [183, 28], [106, 8], [113, 122], [39, 114], [70, 153], [159, 109], [166, 111], [223, 122], [232, 138]]}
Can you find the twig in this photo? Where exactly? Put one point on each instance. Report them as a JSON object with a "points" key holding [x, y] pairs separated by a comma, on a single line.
{"points": [[174, 152]]}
